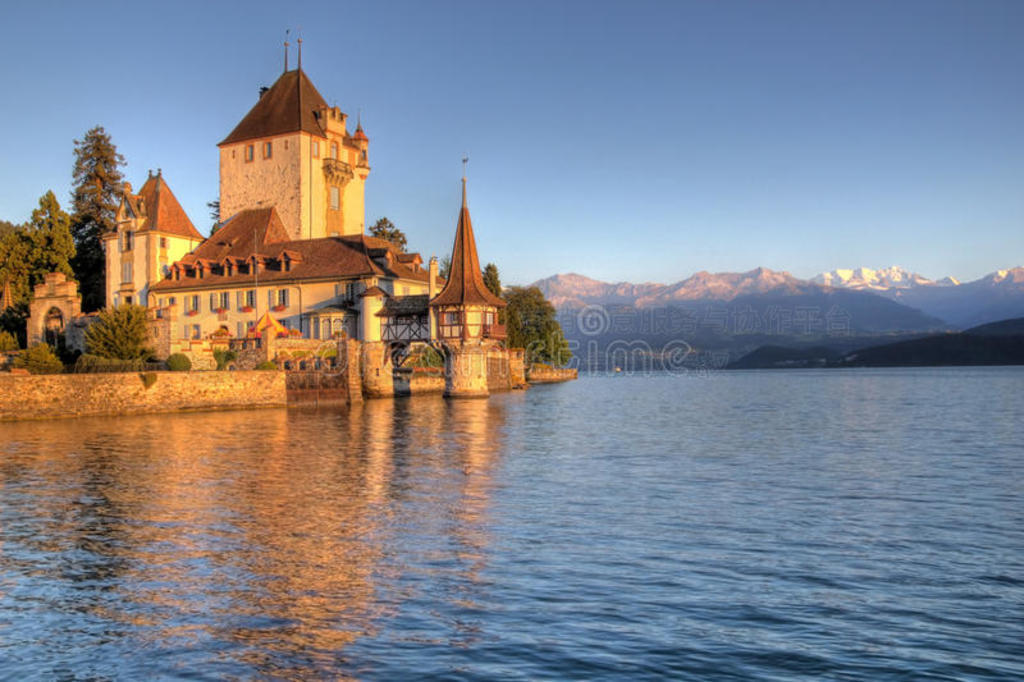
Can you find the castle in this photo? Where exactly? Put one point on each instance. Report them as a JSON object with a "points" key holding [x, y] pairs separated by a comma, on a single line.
{"points": [[291, 259]]}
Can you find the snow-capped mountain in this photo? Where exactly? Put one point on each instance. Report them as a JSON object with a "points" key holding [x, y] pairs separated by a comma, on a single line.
{"points": [[997, 296], [893, 277]]}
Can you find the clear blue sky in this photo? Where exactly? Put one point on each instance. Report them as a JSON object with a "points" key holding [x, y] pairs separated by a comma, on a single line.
{"points": [[637, 141]]}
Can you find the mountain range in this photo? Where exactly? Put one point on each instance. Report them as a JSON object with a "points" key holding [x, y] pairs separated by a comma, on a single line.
{"points": [[923, 302]]}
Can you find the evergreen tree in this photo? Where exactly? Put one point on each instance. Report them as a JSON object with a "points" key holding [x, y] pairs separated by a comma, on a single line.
{"points": [[214, 207], [444, 267], [491, 279], [385, 229], [531, 324], [52, 245], [120, 333], [95, 197]]}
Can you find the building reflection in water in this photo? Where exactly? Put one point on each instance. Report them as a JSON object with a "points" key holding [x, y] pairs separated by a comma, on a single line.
{"points": [[272, 538]]}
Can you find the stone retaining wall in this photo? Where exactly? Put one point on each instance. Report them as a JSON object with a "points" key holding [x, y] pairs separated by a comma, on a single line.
{"points": [[550, 375], [56, 396]]}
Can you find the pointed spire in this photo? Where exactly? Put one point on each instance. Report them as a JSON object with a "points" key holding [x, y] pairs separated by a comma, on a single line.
{"points": [[286, 32], [465, 285], [299, 42]]}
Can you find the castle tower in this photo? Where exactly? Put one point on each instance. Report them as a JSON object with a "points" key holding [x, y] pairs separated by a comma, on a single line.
{"points": [[465, 316], [152, 233], [293, 152]]}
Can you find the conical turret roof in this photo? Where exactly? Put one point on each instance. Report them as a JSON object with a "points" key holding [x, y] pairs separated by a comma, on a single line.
{"points": [[465, 285]]}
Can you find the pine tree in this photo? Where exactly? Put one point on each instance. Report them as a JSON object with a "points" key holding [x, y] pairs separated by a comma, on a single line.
{"points": [[385, 229], [120, 333], [97, 184], [491, 279], [49, 232]]}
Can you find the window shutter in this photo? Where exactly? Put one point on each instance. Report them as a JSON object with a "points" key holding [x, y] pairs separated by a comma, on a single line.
{"points": [[270, 298], [213, 302]]}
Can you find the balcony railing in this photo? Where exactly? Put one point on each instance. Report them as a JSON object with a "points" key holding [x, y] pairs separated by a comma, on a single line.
{"points": [[494, 331], [337, 171]]}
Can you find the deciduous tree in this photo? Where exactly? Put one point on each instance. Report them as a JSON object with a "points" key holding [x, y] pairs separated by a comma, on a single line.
{"points": [[531, 324], [97, 181]]}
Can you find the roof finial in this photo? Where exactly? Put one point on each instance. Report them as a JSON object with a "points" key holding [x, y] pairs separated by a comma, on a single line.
{"points": [[465, 161], [286, 32], [359, 118], [299, 42]]}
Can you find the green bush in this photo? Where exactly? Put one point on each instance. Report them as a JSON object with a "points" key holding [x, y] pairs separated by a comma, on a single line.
{"points": [[39, 359], [120, 333], [7, 341], [179, 362], [94, 364], [266, 364], [148, 379], [224, 357]]}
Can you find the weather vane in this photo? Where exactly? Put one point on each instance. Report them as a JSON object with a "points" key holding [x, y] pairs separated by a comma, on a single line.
{"points": [[465, 160]]}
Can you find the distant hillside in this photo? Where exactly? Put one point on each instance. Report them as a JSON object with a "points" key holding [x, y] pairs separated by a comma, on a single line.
{"points": [[998, 343]]}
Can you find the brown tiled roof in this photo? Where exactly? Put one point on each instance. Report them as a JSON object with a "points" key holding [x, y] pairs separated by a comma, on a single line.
{"points": [[405, 305], [260, 232], [465, 285], [374, 291], [161, 209], [287, 107]]}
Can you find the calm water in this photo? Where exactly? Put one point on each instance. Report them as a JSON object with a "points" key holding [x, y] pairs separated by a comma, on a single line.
{"points": [[846, 525]]}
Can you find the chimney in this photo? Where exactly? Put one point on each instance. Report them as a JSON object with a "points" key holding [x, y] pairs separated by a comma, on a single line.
{"points": [[432, 278], [263, 91]]}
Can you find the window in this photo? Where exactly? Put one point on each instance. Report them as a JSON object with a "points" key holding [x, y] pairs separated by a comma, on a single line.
{"points": [[250, 150], [250, 298], [240, 329], [127, 243], [335, 198], [282, 297], [213, 302], [126, 272], [127, 300], [316, 149], [196, 333], [334, 150], [225, 301], [268, 150], [163, 242], [451, 318], [192, 303]]}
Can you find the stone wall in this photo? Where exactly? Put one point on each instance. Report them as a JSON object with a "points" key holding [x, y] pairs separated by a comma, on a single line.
{"points": [[79, 395], [550, 375]]}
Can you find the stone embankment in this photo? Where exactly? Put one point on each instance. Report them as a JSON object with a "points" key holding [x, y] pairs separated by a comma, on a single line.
{"points": [[550, 375], [55, 396]]}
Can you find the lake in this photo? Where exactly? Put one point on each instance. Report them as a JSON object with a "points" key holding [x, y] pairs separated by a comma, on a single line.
{"points": [[834, 524]]}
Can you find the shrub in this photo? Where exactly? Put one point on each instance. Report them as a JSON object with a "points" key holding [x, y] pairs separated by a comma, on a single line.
{"points": [[7, 341], [148, 379], [266, 364], [120, 333], [39, 359], [179, 362], [224, 357], [94, 364]]}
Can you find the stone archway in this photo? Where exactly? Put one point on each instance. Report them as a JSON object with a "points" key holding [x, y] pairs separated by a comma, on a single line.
{"points": [[53, 325], [55, 304]]}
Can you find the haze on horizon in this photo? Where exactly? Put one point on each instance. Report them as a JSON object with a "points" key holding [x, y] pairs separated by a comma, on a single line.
{"points": [[627, 142]]}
